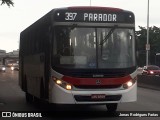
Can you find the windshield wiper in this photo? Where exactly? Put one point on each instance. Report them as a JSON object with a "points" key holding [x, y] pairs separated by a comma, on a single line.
{"points": [[109, 34]]}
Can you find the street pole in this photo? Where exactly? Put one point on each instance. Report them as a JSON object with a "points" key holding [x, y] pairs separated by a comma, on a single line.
{"points": [[90, 2], [147, 45]]}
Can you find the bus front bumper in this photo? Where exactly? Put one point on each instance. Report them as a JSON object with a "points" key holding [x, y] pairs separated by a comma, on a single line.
{"points": [[59, 95]]}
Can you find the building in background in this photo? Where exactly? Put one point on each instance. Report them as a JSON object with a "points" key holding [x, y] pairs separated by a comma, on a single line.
{"points": [[9, 58], [2, 55], [12, 58]]}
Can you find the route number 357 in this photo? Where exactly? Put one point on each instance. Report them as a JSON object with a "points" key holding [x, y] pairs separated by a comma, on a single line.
{"points": [[70, 16]]}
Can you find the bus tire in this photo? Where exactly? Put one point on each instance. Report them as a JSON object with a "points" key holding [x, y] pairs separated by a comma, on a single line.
{"points": [[112, 107], [29, 98], [24, 83], [42, 89]]}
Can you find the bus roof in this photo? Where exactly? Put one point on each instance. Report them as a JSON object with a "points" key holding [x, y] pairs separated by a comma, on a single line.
{"points": [[84, 8], [93, 14]]}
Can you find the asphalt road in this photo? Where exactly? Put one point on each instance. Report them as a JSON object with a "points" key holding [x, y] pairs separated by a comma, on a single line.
{"points": [[12, 99]]}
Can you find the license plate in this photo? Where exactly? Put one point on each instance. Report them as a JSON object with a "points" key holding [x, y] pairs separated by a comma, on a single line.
{"points": [[98, 96]]}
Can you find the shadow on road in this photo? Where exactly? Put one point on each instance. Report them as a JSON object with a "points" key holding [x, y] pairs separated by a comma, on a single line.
{"points": [[72, 111]]}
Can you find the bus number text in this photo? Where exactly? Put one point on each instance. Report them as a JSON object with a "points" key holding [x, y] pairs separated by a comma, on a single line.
{"points": [[70, 16]]}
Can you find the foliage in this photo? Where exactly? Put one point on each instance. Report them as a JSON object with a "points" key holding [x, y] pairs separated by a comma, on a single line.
{"points": [[8, 2], [154, 41]]}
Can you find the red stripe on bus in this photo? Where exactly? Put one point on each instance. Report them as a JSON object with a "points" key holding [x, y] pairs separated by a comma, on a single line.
{"points": [[108, 9], [93, 81]]}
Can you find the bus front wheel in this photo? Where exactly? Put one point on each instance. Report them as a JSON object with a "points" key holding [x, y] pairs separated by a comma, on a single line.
{"points": [[112, 107]]}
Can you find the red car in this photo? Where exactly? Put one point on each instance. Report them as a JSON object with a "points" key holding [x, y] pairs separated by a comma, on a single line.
{"points": [[151, 70]]}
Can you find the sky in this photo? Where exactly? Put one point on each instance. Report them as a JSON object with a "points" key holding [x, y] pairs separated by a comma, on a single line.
{"points": [[15, 19]]}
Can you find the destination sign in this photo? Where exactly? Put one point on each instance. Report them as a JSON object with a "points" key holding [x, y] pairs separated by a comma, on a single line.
{"points": [[100, 17], [70, 16], [91, 17]]}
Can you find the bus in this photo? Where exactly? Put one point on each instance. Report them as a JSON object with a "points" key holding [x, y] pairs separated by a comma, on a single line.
{"points": [[80, 55]]}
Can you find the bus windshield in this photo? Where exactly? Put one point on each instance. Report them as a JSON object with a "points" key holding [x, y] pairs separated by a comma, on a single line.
{"points": [[89, 47]]}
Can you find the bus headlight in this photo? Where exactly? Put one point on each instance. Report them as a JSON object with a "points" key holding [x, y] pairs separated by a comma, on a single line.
{"points": [[68, 87], [129, 83], [63, 84], [59, 82]]}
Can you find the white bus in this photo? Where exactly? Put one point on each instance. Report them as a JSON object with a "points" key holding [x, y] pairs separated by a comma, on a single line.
{"points": [[80, 55]]}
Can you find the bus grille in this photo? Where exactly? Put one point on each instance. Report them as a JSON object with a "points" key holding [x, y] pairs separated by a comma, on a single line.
{"points": [[97, 86], [92, 73]]}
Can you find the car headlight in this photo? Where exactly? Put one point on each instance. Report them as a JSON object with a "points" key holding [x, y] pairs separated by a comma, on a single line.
{"points": [[62, 83], [3, 68], [12, 68]]}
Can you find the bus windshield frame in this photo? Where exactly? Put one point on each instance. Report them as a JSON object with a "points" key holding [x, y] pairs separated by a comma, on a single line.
{"points": [[89, 47]]}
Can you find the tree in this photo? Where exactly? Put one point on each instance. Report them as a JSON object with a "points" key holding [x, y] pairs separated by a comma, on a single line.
{"points": [[8, 2], [154, 40]]}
